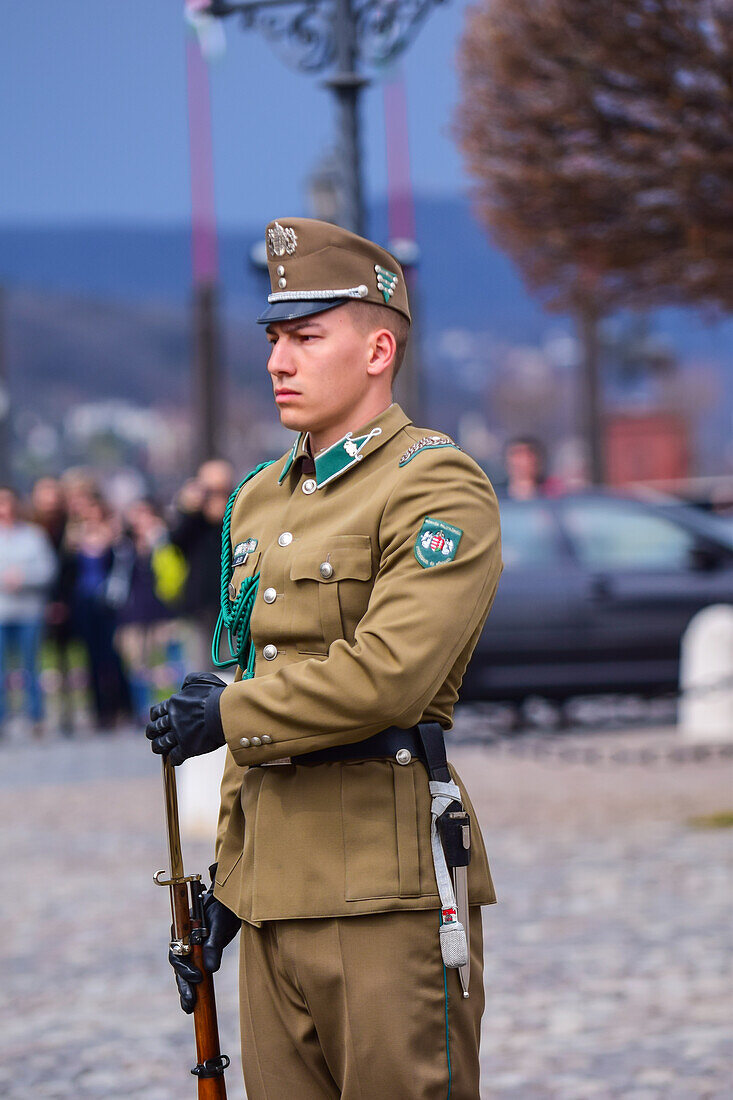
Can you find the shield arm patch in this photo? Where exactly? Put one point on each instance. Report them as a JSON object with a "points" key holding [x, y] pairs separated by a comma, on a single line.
{"points": [[436, 542]]}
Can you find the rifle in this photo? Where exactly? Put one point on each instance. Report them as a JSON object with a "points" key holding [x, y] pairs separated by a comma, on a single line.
{"points": [[187, 935]]}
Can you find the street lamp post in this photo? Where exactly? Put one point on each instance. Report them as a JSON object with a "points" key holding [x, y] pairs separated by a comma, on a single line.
{"points": [[338, 35], [346, 85]]}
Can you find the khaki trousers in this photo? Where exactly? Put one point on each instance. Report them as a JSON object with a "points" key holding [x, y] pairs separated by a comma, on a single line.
{"points": [[358, 1008]]}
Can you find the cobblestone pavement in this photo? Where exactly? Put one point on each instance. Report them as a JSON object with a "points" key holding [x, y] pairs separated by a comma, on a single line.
{"points": [[607, 957]]}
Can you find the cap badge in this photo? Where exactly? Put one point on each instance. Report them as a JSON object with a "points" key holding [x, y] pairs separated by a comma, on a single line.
{"points": [[281, 240], [386, 282]]}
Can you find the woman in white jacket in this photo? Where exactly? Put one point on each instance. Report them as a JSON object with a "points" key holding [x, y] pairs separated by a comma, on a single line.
{"points": [[27, 568]]}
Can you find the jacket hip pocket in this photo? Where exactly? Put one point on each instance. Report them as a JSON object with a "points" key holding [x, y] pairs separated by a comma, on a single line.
{"points": [[381, 820]]}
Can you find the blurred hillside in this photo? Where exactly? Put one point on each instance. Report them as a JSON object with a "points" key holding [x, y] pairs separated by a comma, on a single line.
{"points": [[464, 280], [99, 314]]}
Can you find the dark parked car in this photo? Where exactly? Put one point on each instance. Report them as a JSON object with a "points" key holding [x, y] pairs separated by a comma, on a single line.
{"points": [[596, 593]]}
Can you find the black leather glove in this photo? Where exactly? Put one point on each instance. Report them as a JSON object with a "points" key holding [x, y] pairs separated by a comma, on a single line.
{"points": [[222, 926], [188, 724]]}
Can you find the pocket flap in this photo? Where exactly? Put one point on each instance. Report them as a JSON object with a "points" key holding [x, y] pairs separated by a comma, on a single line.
{"points": [[227, 862], [244, 572], [349, 556]]}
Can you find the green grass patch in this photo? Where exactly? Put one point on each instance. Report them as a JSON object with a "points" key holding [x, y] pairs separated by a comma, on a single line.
{"points": [[723, 819]]}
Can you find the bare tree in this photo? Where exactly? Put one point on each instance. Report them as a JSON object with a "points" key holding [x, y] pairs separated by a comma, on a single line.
{"points": [[600, 137]]}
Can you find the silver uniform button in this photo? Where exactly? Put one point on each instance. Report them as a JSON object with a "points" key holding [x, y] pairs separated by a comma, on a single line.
{"points": [[270, 652], [244, 742], [269, 595], [266, 739], [232, 591], [285, 539], [326, 570], [309, 486], [403, 756], [256, 741]]}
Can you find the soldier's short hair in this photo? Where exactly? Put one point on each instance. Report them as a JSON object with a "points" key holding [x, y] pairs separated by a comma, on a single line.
{"points": [[368, 316]]}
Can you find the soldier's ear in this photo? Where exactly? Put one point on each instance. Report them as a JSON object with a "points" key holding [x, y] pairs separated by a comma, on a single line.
{"points": [[382, 350]]}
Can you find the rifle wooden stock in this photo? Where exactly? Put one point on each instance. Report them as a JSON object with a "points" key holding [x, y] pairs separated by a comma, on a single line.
{"points": [[185, 893], [206, 1029]]}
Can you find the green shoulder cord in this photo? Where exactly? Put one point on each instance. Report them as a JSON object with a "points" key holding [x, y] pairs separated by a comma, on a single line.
{"points": [[235, 615]]}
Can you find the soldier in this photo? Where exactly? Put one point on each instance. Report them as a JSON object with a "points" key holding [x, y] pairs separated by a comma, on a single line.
{"points": [[359, 570]]}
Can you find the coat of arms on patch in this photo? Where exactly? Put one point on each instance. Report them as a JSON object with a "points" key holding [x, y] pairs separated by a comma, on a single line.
{"points": [[437, 542]]}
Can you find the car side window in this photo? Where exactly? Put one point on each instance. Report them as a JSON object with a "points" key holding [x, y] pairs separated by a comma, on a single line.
{"points": [[529, 537], [610, 534]]}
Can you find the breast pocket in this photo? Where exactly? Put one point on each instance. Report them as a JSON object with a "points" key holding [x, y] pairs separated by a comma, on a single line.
{"points": [[331, 582]]}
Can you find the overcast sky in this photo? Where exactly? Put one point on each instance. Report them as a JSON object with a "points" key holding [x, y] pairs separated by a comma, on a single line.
{"points": [[93, 116]]}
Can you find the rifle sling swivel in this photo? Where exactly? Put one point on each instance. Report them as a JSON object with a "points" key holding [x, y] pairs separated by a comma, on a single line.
{"points": [[212, 1067]]}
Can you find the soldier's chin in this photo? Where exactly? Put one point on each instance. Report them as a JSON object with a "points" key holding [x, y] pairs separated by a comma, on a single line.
{"points": [[292, 418]]}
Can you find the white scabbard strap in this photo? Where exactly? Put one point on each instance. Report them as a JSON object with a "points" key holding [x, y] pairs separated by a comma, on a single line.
{"points": [[453, 942]]}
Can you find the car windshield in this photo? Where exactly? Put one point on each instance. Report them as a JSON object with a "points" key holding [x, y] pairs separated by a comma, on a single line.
{"points": [[620, 534], [708, 524]]}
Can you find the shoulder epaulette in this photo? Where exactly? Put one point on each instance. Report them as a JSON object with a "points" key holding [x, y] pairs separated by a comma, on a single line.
{"points": [[428, 441]]}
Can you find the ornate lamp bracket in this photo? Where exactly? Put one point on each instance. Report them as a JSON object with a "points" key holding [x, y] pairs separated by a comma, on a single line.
{"points": [[304, 32]]}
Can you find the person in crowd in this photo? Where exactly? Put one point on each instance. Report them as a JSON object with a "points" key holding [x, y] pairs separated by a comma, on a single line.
{"points": [[48, 510], [91, 537], [79, 489], [525, 461], [196, 530], [27, 569], [145, 583]]}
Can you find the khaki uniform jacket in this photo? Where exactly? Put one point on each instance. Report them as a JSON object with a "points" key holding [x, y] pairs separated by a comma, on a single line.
{"points": [[375, 640]]}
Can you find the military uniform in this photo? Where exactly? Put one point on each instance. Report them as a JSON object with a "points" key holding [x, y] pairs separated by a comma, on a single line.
{"points": [[378, 560]]}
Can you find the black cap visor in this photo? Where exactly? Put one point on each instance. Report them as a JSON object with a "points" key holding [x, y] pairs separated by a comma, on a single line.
{"points": [[290, 311]]}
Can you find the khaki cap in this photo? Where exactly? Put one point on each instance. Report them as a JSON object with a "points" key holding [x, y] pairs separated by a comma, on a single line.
{"points": [[314, 266]]}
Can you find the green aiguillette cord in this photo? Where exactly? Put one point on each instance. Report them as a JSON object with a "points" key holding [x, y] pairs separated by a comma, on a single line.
{"points": [[235, 615]]}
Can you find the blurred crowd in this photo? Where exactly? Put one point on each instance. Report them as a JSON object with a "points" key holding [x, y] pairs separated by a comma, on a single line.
{"points": [[131, 594], [126, 591], [127, 588]]}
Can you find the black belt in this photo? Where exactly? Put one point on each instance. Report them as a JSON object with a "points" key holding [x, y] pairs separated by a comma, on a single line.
{"points": [[425, 742]]}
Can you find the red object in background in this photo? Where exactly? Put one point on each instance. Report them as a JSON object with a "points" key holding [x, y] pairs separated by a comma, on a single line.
{"points": [[400, 199], [203, 216], [646, 447]]}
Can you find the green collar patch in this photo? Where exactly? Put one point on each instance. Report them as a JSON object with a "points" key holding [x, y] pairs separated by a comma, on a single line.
{"points": [[341, 456], [437, 542], [335, 460]]}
